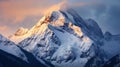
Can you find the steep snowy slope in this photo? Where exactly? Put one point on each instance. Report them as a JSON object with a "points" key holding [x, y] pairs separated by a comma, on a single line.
{"points": [[86, 26], [111, 49], [61, 37], [18, 35], [9, 47], [111, 45], [72, 49], [23, 33], [14, 56]]}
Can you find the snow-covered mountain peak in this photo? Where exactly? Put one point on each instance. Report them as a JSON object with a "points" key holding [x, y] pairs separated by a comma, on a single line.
{"points": [[68, 19], [64, 37], [55, 18], [59, 32]]}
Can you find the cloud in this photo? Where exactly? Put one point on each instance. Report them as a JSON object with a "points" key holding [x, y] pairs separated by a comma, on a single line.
{"points": [[4, 30], [3, 0], [19, 10], [113, 18], [17, 13]]}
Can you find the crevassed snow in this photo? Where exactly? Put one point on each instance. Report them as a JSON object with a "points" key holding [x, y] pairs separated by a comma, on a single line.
{"points": [[71, 46]]}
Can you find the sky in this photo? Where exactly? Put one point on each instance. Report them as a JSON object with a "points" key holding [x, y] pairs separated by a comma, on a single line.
{"points": [[25, 13]]}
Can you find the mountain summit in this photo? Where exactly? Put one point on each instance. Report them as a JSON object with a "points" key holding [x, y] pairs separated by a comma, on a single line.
{"points": [[64, 39], [60, 18]]}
